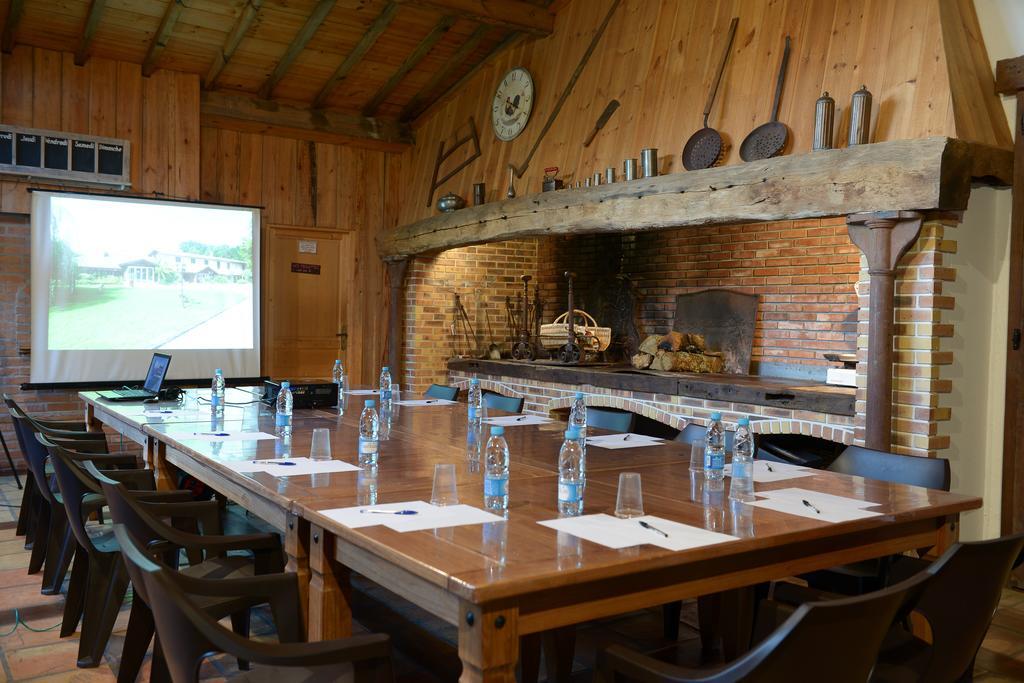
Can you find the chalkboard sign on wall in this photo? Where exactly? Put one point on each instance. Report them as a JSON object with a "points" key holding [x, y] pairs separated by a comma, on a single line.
{"points": [[35, 153]]}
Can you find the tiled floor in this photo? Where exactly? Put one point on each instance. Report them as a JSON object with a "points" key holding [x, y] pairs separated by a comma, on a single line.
{"points": [[34, 652]]}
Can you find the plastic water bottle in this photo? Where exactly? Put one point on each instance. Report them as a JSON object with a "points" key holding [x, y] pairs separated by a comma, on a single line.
{"points": [[386, 415], [476, 402], [714, 449], [496, 471], [217, 391], [369, 430], [284, 405], [570, 475], [578, 415], [742, 486], [385, 385], [338, 375]]}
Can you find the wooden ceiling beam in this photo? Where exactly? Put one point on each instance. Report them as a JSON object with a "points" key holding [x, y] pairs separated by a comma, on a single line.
{"points": [[379, 25], [249, 114], [238, 31], [1010, 76], [516, 15], [507, 41], [411, 110], [298, 44], [162, 35], [14, 11], [409, 64], [92, 22]]}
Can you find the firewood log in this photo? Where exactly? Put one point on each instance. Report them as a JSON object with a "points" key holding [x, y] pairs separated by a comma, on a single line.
{"points": [[650, 345], [641, 361], [673, 341]]}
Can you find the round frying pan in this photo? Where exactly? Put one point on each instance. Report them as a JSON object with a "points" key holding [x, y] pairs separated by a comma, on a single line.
{"points": [[704, 148], [768, 139]]}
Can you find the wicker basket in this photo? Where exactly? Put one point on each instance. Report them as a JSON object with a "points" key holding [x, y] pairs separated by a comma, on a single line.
{"points": [[589, 336]]}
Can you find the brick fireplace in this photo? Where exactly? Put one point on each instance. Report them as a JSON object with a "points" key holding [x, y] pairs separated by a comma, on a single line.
{"points": [[812, 282]]}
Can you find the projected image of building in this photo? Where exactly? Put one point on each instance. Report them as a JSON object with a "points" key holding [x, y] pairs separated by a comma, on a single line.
{"points": [[189, 267]]}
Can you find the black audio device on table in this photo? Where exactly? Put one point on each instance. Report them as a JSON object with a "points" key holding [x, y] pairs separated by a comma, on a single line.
{"points": [[305, 394]]}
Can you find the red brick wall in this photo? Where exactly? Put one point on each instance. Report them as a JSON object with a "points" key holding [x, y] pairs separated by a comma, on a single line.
{"points": [[804, 271], [15, 316]]}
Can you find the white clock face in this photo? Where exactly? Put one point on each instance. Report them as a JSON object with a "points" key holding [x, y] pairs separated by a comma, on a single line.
{"points": [[513, 102]]}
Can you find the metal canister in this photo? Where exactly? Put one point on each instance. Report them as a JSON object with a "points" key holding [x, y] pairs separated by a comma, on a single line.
{"points": [[824, 120], [609, 175], [860, 117], [596, 179], [648, 162], [479, 193], [586, 182], [629, 169]]}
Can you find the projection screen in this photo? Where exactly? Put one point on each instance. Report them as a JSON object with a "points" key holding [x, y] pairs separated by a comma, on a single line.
{"points": [[116, 278]]}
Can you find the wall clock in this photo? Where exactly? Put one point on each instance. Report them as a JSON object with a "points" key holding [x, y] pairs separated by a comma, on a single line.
{"points": [[513, 102]]}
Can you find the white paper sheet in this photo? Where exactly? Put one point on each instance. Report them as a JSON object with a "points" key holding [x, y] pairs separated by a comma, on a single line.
{"points": [[244, 466], [517, 420], [362, 392], [223, 435], [289, 467], [428, 402], [427, 516], [616, 533], [816, 498], [616, 441], [826, 512], [766, 473]]}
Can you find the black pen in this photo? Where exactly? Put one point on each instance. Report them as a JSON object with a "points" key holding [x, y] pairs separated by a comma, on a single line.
{"points": [[652, 528], [390, 512], [768, 467], [808, 504], [520, 419], [626, 437]]}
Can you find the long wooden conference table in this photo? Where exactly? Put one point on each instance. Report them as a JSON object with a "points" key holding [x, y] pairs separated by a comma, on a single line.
{"points": [[502, 580]]}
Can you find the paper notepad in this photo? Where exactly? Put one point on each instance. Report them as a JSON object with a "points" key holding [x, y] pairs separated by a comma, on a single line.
{"points": [[290, 467], [816, 497], [222, 435], [427, 516], [616, 441], [765, 472], [362, 392], [825, 513], [616, 533], [428, 402], [517, 420]]}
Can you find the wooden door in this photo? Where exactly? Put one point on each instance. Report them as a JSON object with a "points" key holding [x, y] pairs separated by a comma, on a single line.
{"points": [[304, 309]]}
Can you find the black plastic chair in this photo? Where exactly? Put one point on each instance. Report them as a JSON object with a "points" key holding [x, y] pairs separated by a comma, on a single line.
{"points": [[869, 575], [499, 402], [835, 641], [612, 420], [440, 391], [188, 635], [143, 517]]}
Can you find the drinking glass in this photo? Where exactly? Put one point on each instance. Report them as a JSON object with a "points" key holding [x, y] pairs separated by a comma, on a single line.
{"points": [[320, 449], [444, 492], [630, 501], [697, 457]]}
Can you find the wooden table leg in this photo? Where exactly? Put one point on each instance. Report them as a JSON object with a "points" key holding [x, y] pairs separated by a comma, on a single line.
{"points": [[92, 424], [737, 621], [163, 471], [296, 551], [330, 592], [488, 644]]}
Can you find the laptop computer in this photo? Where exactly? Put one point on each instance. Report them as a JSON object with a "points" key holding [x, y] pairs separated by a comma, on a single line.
{"points": [[150, 389]]}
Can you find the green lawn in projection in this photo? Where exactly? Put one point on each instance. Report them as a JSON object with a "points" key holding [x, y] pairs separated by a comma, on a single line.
{"points": [[120, 317]]}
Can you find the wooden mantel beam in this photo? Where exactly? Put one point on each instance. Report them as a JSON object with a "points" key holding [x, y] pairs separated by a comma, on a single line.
{"points": [[14, 11], [512, 14], [238, 31], [298, 44], [250, 114], [92, 22], [162, 35], [379, 25], [929, 174]]}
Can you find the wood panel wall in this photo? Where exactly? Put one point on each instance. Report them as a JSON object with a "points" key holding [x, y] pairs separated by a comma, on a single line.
{"points": [[159, 115], [924, 61], [314, 185]]}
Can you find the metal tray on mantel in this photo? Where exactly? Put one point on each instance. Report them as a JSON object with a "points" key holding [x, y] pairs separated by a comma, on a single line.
{"points": [[726, 318]]}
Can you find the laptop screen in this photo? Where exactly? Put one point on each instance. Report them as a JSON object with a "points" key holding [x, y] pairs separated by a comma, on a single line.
{"points": [[157, 371]]}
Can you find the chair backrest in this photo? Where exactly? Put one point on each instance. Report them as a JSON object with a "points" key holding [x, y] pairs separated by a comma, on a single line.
{"points": [[440, 391], [960, 601], [694, 433], [74, 483], [506, 403], [35, 454], [931, 473], [836, 640], [613, 420]]}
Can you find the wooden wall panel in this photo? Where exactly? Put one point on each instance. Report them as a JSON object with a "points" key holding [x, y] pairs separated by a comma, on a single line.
{"points": [[159, 115], [924, 61]]}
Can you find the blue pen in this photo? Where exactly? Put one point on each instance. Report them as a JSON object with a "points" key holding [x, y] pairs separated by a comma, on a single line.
{"points": [[390, 512], [214, 434], [275, 462]]}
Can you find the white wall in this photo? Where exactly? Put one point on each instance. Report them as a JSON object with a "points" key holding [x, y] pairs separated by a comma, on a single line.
{"points": [[979, 370]]}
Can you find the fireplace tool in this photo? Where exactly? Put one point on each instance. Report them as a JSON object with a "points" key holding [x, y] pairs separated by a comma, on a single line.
{"points": [[523, 348], [570, 353], [462, 325]]}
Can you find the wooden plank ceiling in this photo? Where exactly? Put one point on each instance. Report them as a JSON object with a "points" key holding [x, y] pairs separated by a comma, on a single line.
{"points": [[376, 59]]}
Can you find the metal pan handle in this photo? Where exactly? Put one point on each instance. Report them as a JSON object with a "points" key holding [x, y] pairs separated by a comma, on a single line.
{"points": [[721, 69], [778, 84]]}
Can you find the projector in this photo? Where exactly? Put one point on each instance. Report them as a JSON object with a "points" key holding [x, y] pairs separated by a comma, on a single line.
{"points": [[310, 394]]}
